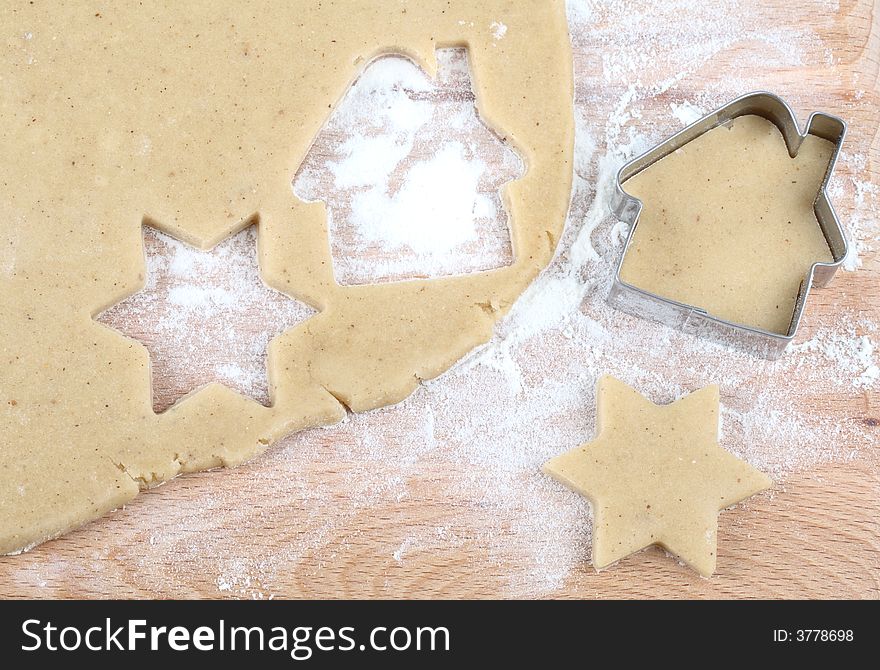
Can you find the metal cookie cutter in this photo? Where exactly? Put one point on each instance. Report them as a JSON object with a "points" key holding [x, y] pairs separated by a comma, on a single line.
{"points": [[689, 318]]}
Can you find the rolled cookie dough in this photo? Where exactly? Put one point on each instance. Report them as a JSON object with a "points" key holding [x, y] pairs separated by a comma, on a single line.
{"points": [[194, 117], [728, 225], [655, 474]]}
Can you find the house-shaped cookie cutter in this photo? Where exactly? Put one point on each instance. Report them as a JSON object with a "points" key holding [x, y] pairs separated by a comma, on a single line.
{"points": [[689, 318]]}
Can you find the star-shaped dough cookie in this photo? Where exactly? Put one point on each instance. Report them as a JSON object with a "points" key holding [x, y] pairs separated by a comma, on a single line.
{"points": [[655, 474]]}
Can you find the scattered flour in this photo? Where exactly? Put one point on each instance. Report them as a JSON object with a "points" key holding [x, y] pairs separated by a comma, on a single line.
{"points": [[392, 215], [685, 112], [205, 316], [862, 221], [499, 30], [852, 354], [452, 471], [443, 191]]}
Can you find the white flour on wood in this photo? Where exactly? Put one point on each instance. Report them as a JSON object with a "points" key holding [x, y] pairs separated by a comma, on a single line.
{"points": [[394, 213]]}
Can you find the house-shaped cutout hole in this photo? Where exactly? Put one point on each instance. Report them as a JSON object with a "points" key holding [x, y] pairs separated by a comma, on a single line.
{"points": [[205, 316], [411, 176]]}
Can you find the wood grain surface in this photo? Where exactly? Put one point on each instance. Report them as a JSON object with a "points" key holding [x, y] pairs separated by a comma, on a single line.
{"points": [[815, 535]]}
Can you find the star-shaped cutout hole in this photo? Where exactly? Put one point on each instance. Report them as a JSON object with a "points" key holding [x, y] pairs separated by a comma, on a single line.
{"points": [[656, 475], [202, 316]]}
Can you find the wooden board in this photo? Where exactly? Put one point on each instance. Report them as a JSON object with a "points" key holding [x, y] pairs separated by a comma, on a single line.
{"points": [[817, 535]]}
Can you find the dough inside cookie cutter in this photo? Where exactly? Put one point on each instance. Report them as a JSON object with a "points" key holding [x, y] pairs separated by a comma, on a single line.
{"points": [[690, 318]]}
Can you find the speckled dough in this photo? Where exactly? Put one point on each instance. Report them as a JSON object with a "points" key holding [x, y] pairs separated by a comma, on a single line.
{"points": [[194, 117], [655, 474], [728, 225]]}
